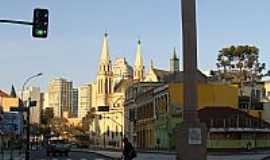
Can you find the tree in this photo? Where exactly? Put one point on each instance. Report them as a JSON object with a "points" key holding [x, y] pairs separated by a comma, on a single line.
{"points": [[88, 119], [47, 114], [239, 64]]}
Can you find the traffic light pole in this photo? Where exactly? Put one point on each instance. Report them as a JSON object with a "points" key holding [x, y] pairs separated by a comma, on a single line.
{"points": [[27, 152], [39, 24], [16, 22]]}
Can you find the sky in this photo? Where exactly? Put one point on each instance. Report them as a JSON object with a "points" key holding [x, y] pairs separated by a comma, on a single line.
{"points": [[76, 30]]}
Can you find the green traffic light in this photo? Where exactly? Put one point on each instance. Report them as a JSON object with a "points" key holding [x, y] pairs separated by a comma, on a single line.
{"points": [[39, 32]]}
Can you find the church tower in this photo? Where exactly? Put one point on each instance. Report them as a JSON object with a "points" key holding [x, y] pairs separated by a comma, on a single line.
{"points": [[174, 63], [139, 68], [104, 75]]}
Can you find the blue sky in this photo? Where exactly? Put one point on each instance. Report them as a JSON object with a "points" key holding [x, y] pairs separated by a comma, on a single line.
{"points": [[77, 27]]}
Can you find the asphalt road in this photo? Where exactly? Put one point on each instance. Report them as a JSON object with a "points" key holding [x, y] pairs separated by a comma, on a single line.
{"points": [[41, 155]]}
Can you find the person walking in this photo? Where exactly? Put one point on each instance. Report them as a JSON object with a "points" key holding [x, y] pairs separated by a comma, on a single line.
{"points": [[129, 152]]}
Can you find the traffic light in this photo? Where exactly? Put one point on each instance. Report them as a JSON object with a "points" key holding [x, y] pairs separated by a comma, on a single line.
{"points": [[40, 23]]}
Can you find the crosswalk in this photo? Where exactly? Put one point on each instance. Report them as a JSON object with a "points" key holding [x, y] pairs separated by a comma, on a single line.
{"points": [[60, 159], [72, 159]]}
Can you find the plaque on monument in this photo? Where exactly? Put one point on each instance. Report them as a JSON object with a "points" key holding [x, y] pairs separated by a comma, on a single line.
{"points": [[194, 136]]}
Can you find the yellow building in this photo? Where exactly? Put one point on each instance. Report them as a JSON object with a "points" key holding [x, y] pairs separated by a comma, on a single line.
{"points": [[208, 95], [159, 110], [8, 102]]}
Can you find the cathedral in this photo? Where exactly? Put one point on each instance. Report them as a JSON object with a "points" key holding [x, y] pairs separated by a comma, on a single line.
{"points": [[109, 88]]}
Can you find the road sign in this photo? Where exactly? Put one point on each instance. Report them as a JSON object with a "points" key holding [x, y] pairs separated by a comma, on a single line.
{"points": [[18, 109], [103, 108]]}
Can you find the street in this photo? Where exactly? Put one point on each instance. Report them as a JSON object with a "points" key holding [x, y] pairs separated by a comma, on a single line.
{"points": [[41, 155]]}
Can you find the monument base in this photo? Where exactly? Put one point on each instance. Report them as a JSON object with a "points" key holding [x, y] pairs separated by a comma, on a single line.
{"points": [[191, 140]]}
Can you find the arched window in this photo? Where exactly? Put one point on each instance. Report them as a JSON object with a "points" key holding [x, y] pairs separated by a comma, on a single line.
{"points": [[116, 130], [108, 131], [106, 86]]}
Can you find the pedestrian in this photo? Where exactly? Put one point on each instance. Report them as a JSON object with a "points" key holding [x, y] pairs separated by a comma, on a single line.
{"points": [[129, 152]]}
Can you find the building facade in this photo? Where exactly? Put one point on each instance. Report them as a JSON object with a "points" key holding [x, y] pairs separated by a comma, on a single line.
{"points": [[60, 96], [155, 112], [84, 100], [35, 95], [75, 102], [108, 90]]}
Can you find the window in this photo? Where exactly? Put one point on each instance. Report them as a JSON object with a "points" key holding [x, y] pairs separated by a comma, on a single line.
{"points": [[108, 131], [116, 130]]}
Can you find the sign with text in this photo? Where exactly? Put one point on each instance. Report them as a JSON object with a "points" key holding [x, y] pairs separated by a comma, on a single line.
{"points": [[194, 136], [103, 108]]}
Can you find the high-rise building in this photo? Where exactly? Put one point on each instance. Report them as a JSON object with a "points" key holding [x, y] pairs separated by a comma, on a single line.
{"points": [[45, 100], [34, 94], [74, 107], [84, 98], [60, 96]]}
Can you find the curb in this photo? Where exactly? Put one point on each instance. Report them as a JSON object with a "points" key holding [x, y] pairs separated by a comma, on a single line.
{"points": [[266, 158], [93, 152], [236, 153]]}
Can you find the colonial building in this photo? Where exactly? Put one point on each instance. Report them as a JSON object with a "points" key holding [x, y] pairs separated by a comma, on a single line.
{"points": [[112, 82]]}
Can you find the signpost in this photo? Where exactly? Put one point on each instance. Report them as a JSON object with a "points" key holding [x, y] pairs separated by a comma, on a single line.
{"points": [[27, 110]]}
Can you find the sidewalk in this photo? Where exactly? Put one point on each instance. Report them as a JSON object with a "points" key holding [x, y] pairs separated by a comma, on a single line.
{"points": [[171, 156], [8, 155], [140, 156]]}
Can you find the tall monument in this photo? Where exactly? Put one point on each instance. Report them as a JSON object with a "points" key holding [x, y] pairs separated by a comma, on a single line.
{"points": [[191, 144]]}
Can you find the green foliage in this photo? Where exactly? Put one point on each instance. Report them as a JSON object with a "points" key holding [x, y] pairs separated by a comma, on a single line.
{"points": [[239, 64], [47, 115], [88, 119]]}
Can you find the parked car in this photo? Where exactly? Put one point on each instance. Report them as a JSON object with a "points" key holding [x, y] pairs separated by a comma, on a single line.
{"points": [[57, 145]]}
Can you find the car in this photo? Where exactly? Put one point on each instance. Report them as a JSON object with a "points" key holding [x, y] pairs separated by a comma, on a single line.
{"points": [[57, 146]]}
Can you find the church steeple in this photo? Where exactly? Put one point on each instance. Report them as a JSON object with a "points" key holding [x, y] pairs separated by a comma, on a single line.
{"points": [[174, 62], [105, 58], [139, 67], [105, 75], [13, 92]]}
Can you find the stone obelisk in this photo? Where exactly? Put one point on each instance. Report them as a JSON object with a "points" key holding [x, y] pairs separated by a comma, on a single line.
{"points": [[191, 134]]}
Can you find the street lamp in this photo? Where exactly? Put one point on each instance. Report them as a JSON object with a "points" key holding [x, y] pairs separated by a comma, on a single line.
{"points": [[27, 151], [27, 81]]}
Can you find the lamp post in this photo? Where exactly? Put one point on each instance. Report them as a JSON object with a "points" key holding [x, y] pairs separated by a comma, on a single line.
{"points": [[27, 151], [27, 81]]}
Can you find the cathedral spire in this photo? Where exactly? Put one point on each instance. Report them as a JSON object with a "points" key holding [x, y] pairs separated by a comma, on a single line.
{"points": [[105, 58], [139, 58], [152, 64], [13, 92], [174, 53], [139, 67], [174, 62]]}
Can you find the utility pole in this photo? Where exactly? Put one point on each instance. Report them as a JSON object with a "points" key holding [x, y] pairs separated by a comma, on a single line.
{"points": [[191, 134]]}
